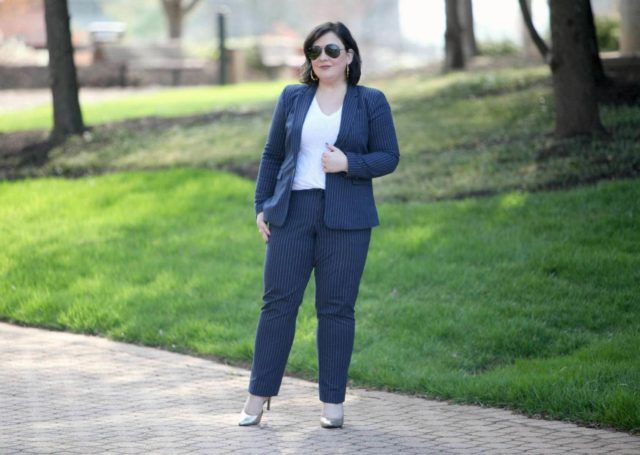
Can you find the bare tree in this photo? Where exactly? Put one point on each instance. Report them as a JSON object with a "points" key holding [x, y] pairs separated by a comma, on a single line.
{"points": [[175, 11], [629, 30], [67, 116], [460, 39], [590, 29], [574, 79], [535, 36], [594, 49], [468, 30], [453, 40], [575, 64]]}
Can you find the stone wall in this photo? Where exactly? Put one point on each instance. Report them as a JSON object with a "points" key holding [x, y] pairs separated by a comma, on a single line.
{"points": [[621, 66], [135, 73], [111, 75], [23, 77]]}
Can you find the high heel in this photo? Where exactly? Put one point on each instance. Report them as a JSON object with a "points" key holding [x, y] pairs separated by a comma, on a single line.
{"points": [[334, 422], [331, 423], [247, 420]]}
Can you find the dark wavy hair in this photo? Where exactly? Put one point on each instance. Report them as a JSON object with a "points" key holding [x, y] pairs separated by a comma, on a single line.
{"points": [[349, 43]]}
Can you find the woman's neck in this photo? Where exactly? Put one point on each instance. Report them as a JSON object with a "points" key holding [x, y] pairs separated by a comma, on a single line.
{"points": [[332, 86]]}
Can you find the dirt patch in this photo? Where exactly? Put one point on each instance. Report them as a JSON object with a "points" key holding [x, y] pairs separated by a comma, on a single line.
{"points": [[246, 170], [160, 123], [619, 92], [19, 151], [22, 154]]}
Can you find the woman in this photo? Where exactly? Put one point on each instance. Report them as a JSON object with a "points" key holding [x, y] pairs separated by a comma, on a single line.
{"points": [[315, 209]]}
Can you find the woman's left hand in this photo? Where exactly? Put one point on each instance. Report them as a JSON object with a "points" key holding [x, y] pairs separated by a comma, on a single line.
{"points": [[334, 160]]}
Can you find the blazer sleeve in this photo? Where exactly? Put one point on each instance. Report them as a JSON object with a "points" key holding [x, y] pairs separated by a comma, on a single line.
{"points": [[383, 151], [272, 156]]}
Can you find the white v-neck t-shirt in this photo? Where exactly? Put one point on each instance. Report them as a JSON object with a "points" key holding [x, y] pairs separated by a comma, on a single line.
{"points": [[318, 130]]}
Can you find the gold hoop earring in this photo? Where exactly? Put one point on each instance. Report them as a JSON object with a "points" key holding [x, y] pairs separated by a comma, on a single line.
{"points": [[347, 72], [313, 76]]}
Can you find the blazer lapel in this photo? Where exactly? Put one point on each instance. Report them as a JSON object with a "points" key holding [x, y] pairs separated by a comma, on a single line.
{"points": [[300, 113], [349, 110]]}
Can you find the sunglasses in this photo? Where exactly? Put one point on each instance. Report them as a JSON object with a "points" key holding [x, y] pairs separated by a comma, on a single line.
{"points": [[331, 50]]}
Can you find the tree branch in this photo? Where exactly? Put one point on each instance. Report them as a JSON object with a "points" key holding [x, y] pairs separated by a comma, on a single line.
{"points": [[189, 7], [535, 37]]}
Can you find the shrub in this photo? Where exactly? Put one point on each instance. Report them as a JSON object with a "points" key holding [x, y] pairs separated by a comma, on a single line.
{"points": [[498, 48], [608, 33]]}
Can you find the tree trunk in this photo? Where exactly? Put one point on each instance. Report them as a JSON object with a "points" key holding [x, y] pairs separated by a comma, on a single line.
{"points": [[572, 69], [529, 49], [598, 71], [468, 30], [629, 29], [175, 11], [67, 117], [525, 8], [454, 51]]}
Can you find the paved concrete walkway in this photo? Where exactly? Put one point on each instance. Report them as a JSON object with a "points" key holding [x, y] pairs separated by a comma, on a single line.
{"points": [[13, 100], [66, 393]]}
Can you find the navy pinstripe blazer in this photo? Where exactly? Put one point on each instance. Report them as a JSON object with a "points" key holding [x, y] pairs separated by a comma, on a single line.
{"points": [[367, 137]]}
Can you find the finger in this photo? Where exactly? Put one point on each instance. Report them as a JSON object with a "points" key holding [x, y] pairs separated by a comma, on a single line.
{"points": [[330, 147], [263, 227], [264, 233]]}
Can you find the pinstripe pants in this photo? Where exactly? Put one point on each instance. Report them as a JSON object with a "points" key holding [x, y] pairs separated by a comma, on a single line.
{"points": [[337, 257]]}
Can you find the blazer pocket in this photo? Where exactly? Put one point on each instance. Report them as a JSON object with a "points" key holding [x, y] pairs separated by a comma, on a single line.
{"points": [[357, 181]]}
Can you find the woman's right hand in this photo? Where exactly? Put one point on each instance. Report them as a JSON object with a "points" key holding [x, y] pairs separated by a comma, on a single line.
{"points": [[263, 228]]}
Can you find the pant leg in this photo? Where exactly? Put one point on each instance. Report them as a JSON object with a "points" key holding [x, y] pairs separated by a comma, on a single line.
{"points": [[287, 268], [340, 261]]}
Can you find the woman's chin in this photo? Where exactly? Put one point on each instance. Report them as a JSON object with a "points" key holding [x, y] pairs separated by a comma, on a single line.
{"points": [[328, 77]]}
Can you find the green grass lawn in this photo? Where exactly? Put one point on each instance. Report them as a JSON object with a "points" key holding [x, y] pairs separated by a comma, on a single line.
{"points": [[165, 103], [528, 301], [461, 134]]}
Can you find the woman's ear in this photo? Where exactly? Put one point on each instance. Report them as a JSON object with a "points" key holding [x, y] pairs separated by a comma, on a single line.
{"points": [[349, 56]]}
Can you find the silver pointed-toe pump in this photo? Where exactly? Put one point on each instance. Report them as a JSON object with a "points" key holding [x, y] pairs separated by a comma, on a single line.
{"points": [[331, 423], [335, 421], [247, 420]]}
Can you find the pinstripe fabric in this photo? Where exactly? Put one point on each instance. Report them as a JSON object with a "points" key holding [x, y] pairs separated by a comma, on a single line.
{"points": [[326, 232], [367, 137], [337, 258]]}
